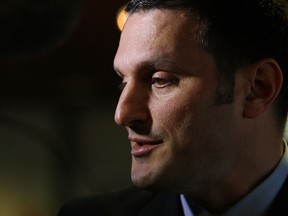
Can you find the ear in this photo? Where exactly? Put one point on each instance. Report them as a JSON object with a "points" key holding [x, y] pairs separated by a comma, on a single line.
{"points": [[265, 79]]}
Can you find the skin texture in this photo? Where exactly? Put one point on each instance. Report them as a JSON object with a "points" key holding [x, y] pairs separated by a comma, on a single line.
{"points": [[181, 141]]}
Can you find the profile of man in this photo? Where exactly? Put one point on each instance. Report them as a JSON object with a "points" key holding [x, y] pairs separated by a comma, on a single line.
{"points": [[204, 101]]}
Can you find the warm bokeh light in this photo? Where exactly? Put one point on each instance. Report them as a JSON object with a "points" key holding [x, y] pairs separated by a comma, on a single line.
{"points": [[121, 17]]}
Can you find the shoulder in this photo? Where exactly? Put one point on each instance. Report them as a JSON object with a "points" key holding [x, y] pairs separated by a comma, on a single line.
{"points": [[131, 201]]}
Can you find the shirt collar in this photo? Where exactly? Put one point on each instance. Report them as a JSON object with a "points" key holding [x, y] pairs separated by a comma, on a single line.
{"points": [[258, 201]]}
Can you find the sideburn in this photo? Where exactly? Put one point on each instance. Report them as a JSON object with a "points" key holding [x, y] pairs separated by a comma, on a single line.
{"points": [[225, 90]]}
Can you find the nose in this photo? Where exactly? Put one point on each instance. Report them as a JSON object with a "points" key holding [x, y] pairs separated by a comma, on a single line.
{"points": [[132, 106]]}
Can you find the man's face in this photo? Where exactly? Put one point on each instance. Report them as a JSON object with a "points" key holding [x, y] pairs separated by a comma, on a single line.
{"points": [[179, 137]]}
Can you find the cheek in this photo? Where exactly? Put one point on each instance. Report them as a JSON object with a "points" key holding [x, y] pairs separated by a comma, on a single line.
{"points": [[185, 122], [168, 116], [179, 116], [177, 109], [184, 115]]}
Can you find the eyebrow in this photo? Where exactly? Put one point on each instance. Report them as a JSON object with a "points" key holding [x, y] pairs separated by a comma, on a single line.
{"points": [[156, 63]]}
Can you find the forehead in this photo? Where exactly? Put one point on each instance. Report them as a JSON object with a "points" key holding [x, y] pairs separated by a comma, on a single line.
{"points": [[161, 19], [170, 35]]}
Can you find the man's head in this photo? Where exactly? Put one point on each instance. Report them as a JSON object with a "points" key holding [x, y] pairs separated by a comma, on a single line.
{"points": [[196, 82], [237, 33]]}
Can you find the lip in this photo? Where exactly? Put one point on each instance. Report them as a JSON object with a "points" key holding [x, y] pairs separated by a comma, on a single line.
{"points": [[143, 147]]}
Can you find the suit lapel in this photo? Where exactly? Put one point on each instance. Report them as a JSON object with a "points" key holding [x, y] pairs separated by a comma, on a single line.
{"points": [[279, 205], [168, 205]]}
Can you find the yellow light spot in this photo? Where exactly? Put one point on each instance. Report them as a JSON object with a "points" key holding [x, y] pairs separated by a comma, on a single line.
{"points": [[121, 17]]}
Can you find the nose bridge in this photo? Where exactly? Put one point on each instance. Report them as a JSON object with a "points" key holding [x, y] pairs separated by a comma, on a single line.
{"points": [[132, 105]]}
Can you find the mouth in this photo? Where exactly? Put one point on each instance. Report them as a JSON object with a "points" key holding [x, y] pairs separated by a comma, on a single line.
{"points": [[143, 147]]}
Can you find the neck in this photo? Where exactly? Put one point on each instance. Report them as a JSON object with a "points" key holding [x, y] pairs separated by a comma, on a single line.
{"points": [[219, 194]]}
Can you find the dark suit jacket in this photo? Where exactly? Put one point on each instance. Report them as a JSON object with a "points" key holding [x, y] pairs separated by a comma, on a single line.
{"points": [[136, 202]]}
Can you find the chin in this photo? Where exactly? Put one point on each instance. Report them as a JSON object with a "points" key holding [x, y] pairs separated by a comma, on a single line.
{"points": [[143, 181], [152, 177], [152, 184]]}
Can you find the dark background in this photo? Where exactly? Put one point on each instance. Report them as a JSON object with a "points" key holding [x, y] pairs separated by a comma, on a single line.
{"points": [[82, 57], [58, 93]]}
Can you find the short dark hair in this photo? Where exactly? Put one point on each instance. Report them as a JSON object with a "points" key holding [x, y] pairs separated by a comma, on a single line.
{"points": [[238, 33]]}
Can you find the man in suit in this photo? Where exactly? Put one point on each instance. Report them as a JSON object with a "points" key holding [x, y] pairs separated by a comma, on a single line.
{"points": [[204, 100]]}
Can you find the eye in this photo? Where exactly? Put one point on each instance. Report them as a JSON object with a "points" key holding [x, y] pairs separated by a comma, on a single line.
{"points": [[162, 80]]}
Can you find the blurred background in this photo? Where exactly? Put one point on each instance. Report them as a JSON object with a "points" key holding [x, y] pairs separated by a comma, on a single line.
{"points": [[58, 93]]}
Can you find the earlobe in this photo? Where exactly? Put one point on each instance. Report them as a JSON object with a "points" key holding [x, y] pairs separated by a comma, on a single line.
{"points": [[265, 78]]}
